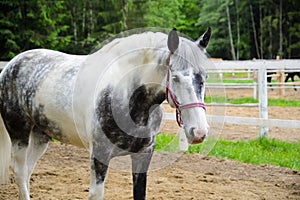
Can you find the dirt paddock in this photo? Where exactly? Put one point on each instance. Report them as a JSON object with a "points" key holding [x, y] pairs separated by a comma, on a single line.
{"points": [[63, 172]]}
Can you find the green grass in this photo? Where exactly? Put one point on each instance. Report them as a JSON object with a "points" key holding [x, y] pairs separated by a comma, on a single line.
{"points": [[237, 81], [257, 152], [284, 103], [242, 100], [220, 99], [271, 102], [215, 99], [217, 80], [166, 142], [236, 75]]}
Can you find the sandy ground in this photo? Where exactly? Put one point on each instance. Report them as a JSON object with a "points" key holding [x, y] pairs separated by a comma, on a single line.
{"points": [[63, 172]]}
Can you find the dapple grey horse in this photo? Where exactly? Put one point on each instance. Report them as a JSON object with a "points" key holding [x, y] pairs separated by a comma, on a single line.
{"points": [[108, 102]]}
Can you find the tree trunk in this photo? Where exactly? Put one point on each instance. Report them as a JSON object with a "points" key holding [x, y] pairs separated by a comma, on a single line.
{"points": [[238, 30], [261, 31], [230, 33], [280, 30], [125, 12], [73, 13], [271, 38], [254, 32], [90, 27], [83, 18], [290, 43]]}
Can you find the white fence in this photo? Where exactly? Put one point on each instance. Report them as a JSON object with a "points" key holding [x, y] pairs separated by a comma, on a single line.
{"points": [[260, 66], [2, 64], [255, 66], [280, 67]]}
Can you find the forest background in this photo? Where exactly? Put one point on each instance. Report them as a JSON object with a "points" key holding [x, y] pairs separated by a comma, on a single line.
{"points": [[242, 29]]}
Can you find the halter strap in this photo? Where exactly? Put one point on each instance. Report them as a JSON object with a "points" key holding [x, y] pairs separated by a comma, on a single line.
{"points": [[178, 107]]}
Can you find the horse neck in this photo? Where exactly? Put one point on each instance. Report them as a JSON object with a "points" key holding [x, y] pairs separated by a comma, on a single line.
{"points": [[146, 85], [153, 70]]}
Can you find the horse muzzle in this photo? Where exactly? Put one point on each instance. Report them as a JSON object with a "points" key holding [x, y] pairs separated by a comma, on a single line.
{"points": [[197, 135]]}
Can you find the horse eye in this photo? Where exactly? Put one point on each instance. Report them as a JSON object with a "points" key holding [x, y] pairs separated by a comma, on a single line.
{"points": [[175, 78]]}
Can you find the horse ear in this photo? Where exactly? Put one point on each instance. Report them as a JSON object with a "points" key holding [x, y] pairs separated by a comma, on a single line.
{"points": [[204, 39], [173, 41]]}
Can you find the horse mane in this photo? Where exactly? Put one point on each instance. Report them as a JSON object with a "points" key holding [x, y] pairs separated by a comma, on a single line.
{"points": [[189, 54], [136, 41]]}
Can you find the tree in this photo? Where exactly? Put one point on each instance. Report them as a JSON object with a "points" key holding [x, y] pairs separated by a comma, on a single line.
{"points": [[161, 13], [293, 20], [254, 32], [213, 13], [189, 17], [237, 29], [242, 29], [30, 24], [230, 33], [280, 28]]}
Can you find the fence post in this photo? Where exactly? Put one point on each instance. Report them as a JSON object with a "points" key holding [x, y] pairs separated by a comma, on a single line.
{"points": [[263, 99], [255, 88], [280, 79]]}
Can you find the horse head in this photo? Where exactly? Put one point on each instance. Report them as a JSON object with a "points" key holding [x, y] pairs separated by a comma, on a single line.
{"points": [[185, 84]]}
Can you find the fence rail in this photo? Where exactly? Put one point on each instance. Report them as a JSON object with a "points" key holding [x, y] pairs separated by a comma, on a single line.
{"points": [[255, 64], [2, 64], [260, 84], [249, 121]]}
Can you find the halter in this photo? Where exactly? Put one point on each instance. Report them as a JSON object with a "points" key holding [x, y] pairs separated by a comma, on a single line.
{"points": [[179, 107]]}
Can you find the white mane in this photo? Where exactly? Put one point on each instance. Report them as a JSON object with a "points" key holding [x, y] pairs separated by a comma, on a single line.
{"points": [[189, 54], [136, 41]]}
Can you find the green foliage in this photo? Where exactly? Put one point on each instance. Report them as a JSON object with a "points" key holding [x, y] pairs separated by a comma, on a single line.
{"points": [[163, 13], [213, 14], [190, 13], [257, 152], [31, 24]]}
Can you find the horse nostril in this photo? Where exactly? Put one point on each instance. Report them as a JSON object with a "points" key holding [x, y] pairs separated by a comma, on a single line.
{"points": [[191, 132]]}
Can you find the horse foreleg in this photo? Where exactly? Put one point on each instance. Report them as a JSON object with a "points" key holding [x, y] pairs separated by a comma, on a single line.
{"points": [[140, 165], [97, 179]]}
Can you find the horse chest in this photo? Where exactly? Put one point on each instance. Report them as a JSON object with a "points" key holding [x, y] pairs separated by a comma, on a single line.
{"points": [[129, 128]]}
